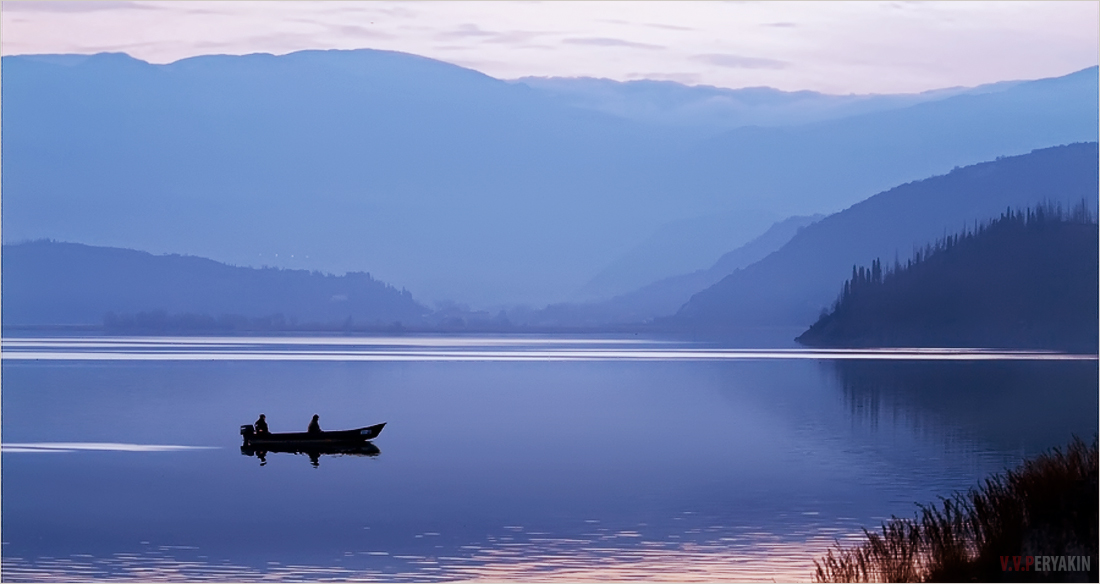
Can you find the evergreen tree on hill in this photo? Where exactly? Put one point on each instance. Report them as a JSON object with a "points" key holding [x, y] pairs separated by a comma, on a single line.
{"points": [[1025, 280]]}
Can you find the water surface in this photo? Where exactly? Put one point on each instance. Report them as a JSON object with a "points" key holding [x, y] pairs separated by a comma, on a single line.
{"points": [[528, 458]]}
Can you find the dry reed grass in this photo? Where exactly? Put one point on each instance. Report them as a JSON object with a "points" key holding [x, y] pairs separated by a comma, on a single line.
{"points": [[1048, 506]]}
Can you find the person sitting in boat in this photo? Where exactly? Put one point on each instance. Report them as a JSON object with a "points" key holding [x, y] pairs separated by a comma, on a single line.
{"points": [[261, 426], [314, 425]]}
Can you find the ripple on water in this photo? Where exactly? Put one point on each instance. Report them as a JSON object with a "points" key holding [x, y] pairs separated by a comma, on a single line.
{"points": [[731, 558]]}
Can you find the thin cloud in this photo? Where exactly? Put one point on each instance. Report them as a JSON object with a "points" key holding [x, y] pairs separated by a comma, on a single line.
{"points": [[516, 37], [609, 42], [740, 62], [466, 31], [472, 31], [670, 27], [681, 78], [391, 11], [70, 6], [354, 30]]}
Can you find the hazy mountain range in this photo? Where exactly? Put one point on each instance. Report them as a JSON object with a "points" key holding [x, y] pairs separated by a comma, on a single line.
{"points": [[716, 109], [665, 296], [784, 277], [54, 283], [459, 186], [794, 284]]}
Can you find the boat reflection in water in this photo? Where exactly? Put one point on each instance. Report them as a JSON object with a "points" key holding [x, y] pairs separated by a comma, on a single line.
{"points": [[314, 454], [312, 444]]}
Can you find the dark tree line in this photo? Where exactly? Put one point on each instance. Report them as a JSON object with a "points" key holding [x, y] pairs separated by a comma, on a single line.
{"points": [[1025, 279], [161, 322]]}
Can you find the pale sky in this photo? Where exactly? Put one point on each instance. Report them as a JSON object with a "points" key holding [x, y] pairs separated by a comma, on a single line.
{"points": [[834, 47]]}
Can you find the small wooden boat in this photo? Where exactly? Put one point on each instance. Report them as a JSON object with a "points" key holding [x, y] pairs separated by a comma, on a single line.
{"points": [[306, 441]]}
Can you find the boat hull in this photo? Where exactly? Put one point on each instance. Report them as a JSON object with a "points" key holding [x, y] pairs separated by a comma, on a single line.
{"points": [[303, 441]]}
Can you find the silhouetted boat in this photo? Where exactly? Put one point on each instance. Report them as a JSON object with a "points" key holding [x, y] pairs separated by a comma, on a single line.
{"points": [[338, 441]]}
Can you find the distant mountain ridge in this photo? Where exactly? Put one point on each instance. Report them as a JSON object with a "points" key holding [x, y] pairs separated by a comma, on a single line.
{"points": [[54, 283], [794, 284], [664, 297], [677, 247], [439, 178], [717, 109]]}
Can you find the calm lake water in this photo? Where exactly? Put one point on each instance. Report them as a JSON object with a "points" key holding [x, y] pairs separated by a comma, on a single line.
{"points": [[504, 458]]}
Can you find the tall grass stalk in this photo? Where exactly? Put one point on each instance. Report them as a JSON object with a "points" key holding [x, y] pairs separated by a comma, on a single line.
{"points": [[1046, 507]]}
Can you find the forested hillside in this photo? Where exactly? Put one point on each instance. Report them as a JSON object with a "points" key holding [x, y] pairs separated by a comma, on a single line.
{"points": [[793, 285], [1027, 279]]}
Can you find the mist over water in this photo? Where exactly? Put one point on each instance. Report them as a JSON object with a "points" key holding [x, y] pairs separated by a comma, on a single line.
{"points": [[504, 458]]}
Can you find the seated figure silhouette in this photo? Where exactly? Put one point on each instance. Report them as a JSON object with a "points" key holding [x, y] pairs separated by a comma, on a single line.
{"points": [[314, 425], [261, 426]]}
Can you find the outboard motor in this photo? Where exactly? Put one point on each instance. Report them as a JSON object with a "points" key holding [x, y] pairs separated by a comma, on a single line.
{"points": [[247, 431]]}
